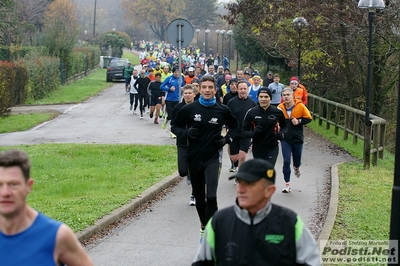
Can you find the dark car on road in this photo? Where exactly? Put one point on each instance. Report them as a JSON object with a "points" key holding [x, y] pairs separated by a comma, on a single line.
{"points": [[115, 69]]}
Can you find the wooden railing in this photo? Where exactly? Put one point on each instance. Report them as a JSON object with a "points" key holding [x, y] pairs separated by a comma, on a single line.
{"points": [[351, 121]]}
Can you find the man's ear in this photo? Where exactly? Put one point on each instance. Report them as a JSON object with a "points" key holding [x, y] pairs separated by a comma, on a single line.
{"points": [[269, 191], [30, 182]]}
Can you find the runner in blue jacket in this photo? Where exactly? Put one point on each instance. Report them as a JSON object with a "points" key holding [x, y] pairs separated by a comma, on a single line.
{"points": [[171, 86]]}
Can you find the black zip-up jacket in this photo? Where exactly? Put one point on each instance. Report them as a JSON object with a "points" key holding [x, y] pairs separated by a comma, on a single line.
{"points": [[274, 236], [209, 122], [154, 90], [180, 141], [268, 120], [141, 85], [239, 108], [229, 96]]}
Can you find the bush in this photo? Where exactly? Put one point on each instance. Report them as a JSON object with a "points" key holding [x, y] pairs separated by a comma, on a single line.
{"points": [[43, 75], [13, 91], [82, 59]]}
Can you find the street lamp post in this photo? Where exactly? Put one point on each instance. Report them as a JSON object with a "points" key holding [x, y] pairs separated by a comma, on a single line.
{"points": [[371, 6], [206, 41], [94, 20], [299, 23], [217, 32], [230, 33], [222, 42], [197, 38]]}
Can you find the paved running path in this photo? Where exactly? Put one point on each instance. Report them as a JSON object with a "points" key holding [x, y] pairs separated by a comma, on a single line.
{"points": [[168, 233]]}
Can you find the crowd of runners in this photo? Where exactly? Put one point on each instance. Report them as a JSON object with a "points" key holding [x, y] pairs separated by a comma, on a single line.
{"points": [[210, 107]]}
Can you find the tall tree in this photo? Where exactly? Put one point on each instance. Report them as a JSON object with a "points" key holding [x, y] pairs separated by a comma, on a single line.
{"points": [[61, 29], [115, 40], [198, 12], [333, 45], [156, 14], [7, 22]]}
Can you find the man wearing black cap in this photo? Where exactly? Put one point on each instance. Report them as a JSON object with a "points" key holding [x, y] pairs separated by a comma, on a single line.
{"points": [[269, 79], [255, 231], [266, 124], [231, 89]]}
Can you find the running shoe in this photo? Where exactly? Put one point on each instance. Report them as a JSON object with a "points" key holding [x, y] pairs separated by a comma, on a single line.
{"points": [[130, 107], [192, 201], [151, 115], [164, 124], [141, 116], [233, 169], [172, 135], [188, 181], [297, 172], [156, 121], [201, 235], [134, 112], [287, 188], [161, 114]]}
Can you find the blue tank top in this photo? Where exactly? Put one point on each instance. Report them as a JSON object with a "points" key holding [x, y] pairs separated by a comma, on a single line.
{"points": [[34, 246], [253, 93]]}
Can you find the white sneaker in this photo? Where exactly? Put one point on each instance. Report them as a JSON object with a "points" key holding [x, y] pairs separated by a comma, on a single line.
{"points": [[141, 116], [192, 201], [233, 169], [287, 188], [135, 113], [297, 172]]}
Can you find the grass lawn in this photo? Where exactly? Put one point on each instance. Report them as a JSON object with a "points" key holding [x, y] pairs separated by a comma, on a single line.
{"points": [[77, 91], [133, 58], [364, 195], [23, 122], [78, 184]]}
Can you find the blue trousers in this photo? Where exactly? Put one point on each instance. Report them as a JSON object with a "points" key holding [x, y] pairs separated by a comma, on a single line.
{"points": [[290, 150]]}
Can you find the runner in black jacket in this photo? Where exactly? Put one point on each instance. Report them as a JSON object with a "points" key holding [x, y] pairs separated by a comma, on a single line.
{"points": [[233, 91], [201, 123], [181, 142], [155, 95], [266, 124], [141, 85], [239, 106]]}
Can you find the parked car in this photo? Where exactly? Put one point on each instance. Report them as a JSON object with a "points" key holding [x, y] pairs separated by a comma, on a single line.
{"points": [[115, 69]]}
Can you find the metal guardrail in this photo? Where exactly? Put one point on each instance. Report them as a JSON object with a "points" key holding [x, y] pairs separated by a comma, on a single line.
{"points": [[351, 121]]}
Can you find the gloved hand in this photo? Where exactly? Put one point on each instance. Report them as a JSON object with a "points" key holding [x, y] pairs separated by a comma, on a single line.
{"points": [[273, 91], [257, 130], [192, 132], [222, 141], [279, 136]]}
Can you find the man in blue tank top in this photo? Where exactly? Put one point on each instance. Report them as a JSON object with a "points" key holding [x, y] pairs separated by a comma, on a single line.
{"points": [[28, 237]]}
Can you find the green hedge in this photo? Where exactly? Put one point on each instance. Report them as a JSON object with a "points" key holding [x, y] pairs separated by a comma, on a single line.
{"points": [[43, 75], [82, 59], [13, 78], [38, 75]]}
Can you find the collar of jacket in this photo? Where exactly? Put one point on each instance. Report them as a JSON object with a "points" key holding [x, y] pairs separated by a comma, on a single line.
{"points": [[245, 217]]}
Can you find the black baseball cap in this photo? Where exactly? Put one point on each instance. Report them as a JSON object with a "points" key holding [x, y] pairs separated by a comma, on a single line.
{"points": [[255, 169]]}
